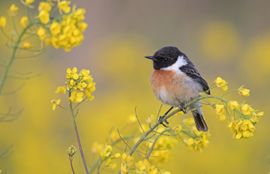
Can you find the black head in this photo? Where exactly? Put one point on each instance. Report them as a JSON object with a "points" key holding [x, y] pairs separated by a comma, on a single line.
{"points": [[165, 57]]}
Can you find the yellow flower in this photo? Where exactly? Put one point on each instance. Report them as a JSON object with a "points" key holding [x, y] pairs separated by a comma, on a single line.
{"points": [[45, 6], [76, 97], [41, 32], [26, 45], [244, 91], [233, 105], [106, 152], [126, 163], [82, 26], [221, 112], [13, 9], [61, 90], [29, 2], [247, 109], [72, 73], [68, 32], [256, 116], [242, 128], [55, 28], [24, 21], [3, 22], [63, 6], [221, 83], [44, 17], [55, 103]]}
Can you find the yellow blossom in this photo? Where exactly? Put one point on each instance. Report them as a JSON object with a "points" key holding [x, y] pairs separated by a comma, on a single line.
{"points": [[132, 118], [233, 105], [256, 116], [55, 103], [246, 109], [72, 73], [61, 90], [244, 91], [64, 6], [242, 128], [126, 163], [221, 112], [76, 97], [29, 2], [44, 17], [3, 22], [45, 6], [71, 28], [26, 45], [221, 83], [114, 135], [24, 21], [106, 152], [13, 9], [55, 28], [41, 32]]}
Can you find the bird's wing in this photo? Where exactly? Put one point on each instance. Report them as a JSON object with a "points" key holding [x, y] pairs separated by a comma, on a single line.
{"points": [[191, 71]]}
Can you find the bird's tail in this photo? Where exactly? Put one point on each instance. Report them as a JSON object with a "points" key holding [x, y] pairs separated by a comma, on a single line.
{"points": [[199, 121]]}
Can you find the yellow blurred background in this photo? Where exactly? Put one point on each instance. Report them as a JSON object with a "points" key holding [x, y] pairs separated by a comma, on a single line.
{"points": [[223, 38]]}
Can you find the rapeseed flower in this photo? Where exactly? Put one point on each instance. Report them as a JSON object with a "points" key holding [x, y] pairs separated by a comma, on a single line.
{"points": [[221, 83], [244, 91], [242, 128], [3, 22], [24, 21]]}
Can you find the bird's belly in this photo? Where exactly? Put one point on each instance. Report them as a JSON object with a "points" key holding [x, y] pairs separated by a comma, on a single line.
{"points": [[174, 88]]}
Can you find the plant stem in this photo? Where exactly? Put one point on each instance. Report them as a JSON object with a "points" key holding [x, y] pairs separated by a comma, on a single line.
{"points": [[153, 127], [13, 56], [144, 136], [78, 137], [71, 165]]}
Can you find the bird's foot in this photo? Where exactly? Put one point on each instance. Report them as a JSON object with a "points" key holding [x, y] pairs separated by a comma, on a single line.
{"points": [[183, 108], [162, 120]]}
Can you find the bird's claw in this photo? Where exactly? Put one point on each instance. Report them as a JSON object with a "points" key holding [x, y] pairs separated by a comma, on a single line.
{"points": [[163, 121]]}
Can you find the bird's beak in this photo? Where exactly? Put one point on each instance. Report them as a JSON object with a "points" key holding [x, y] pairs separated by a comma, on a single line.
{"points": [[150, 57]]}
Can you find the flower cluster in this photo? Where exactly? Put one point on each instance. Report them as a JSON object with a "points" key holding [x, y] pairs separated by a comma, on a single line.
{"points": [[79, 86], [129, 165], [242, 116], [190, 136], [65, 31], [161, 148]]}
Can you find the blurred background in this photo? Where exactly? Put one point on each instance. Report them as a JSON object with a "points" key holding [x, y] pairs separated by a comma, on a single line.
{"points": [[223, 38]]}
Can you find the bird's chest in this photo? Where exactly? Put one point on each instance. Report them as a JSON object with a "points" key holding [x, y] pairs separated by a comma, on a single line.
{"points": [[173, 88]]}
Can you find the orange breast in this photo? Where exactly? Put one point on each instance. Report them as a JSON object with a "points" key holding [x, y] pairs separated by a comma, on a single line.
{"points": [[172, 88]]}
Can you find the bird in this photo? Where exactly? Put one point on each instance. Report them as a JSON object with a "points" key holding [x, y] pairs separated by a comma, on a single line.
{"points": [[176, 81]]}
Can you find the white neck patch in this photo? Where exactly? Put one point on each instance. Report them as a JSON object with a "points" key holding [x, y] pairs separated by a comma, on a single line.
{"points": [[175, 67]]}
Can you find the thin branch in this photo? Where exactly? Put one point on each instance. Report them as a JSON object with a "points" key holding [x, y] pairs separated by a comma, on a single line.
{"points": [[71, 164], [154, 143], [137, 118], [13, 91], [78, 137], [121, 138], [166, 117]]}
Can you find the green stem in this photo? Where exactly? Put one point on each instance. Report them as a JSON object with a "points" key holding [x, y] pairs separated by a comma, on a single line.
{"points": [[13, 56], [153, 127], [78, 137]]}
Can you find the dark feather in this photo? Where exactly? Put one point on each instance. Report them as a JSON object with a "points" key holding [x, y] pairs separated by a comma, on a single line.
{"points": [[199, 121], [191, 71]]}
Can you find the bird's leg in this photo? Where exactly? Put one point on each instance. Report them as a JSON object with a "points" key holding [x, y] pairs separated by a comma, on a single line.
{"points": [[183, 108], [162, 119]]}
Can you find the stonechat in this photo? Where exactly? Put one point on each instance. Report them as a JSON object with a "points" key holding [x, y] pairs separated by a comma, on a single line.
{"points": [[176, 81]]}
